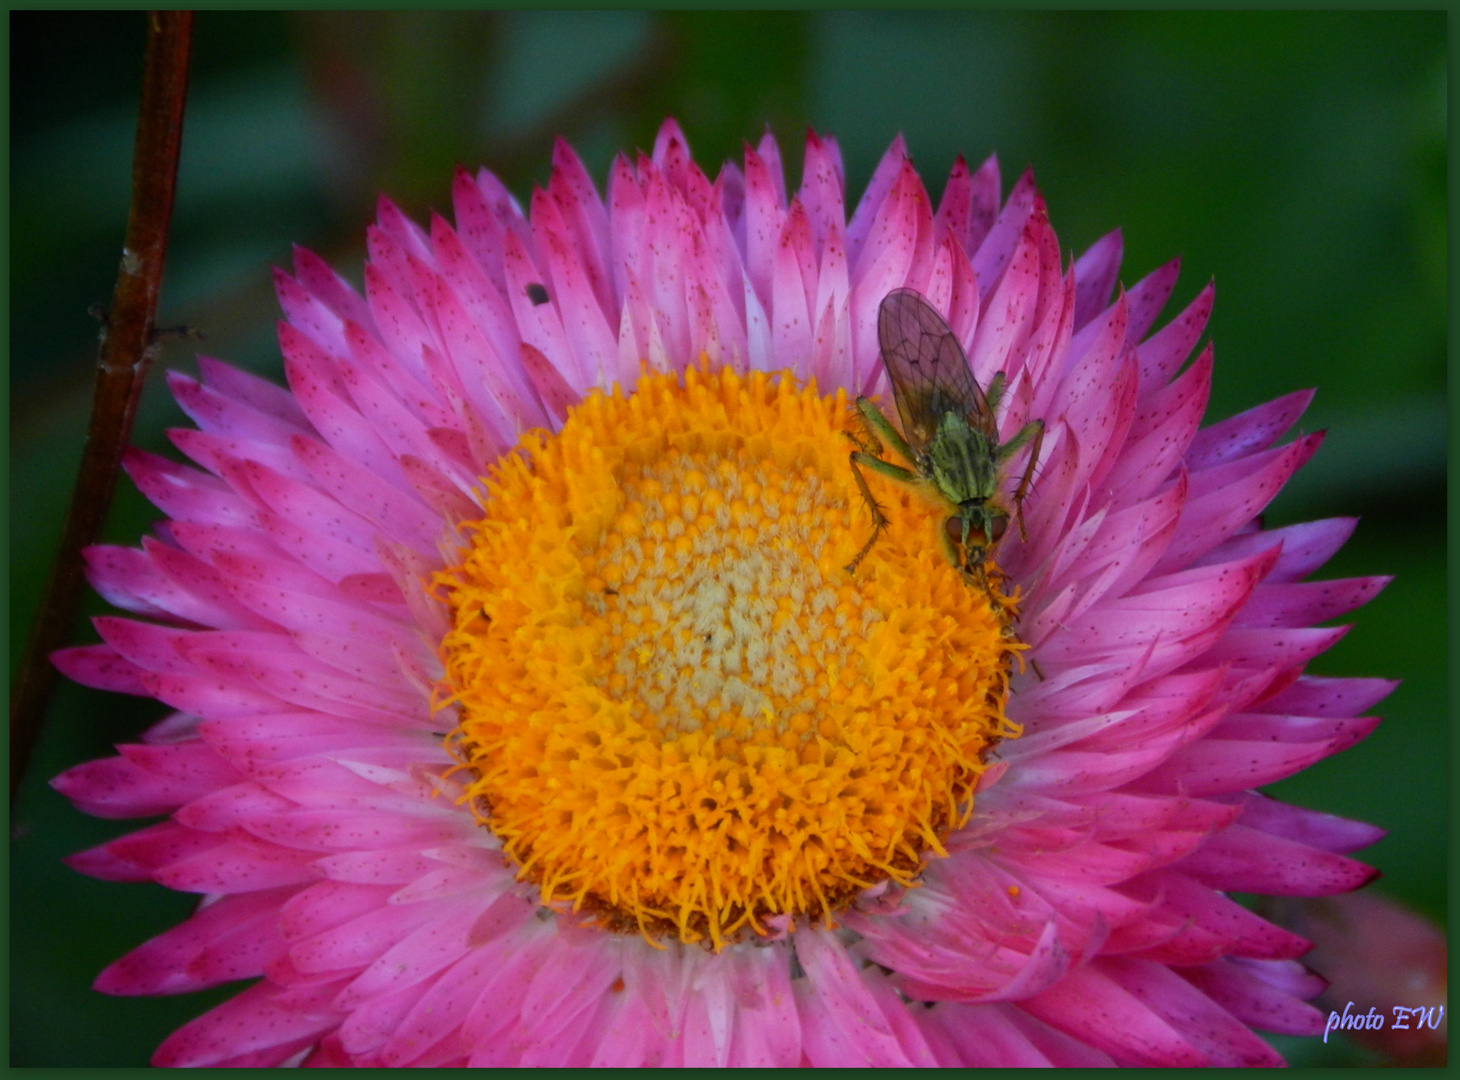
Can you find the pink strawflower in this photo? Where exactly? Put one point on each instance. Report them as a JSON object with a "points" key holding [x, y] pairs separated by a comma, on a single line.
{"points": [[433, 773]]}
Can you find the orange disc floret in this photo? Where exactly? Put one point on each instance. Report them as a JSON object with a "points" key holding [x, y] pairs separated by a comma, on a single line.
{"points": [[677, 709]]}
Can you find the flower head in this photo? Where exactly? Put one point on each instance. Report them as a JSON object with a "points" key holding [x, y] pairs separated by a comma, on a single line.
{"points": [[528, 711]]}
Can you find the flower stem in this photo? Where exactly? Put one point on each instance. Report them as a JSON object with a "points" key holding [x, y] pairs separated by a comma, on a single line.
{"points": [[127, 345]]}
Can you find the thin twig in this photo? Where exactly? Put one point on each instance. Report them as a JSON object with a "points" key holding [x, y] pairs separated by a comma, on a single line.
{"points": [[127, 344]]}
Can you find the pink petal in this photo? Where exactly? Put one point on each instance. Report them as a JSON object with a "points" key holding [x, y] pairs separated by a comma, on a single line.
{"points": [[437, 1014], [420, 954], [565, 987], [956, 205], [1164, 425], [232, 938], [763, 224], [1212, 1032], [1283, 605], [496, 1009], [396, 319], [228, 808], [1273, 649], [1147, 297], [586, 328], [884, 176], [184, 494], [583, 212], [1310, 827], [841, 1022], [259, 394], [991, 253], [767, 1027], [793, 281], [1003, 1036], [1304, 547], [1095, 276], [266, 1021], [1219, 506], [393, 866], [478, 225], [1245, 860], [325, 905], [213, 412], [1246, 433], [361, 940], [821, 192], [100, 667], [321, 394], [238, 866], [1193, 908], [324, 283], [540, 324], [1005, 321], [622, 1031], [671, 148], [1092, 1007], [984, 203], [1252, 1001]]}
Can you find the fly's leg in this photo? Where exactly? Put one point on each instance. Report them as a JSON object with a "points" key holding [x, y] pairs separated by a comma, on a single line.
{"points": [[864, 440], [1022, 436], [980, 573], [877, 431], [1023, 487], [1033, 460], [879, 519], [1002, 601], [978, 570], [878, 426], [995, 392], [1032, 430]]}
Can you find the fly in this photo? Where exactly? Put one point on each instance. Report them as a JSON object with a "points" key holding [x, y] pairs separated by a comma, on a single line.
{"points": [[949, 435]]}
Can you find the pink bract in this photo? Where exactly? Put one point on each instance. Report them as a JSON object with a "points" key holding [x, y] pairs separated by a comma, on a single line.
{"points": [[1082, 916]]}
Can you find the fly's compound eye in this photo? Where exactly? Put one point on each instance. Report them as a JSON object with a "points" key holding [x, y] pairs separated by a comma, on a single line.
{"points": [[954, 527], [1001, 526]]}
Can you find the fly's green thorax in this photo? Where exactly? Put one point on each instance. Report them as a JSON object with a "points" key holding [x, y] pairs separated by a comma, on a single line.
{"points": [[960, 461]]}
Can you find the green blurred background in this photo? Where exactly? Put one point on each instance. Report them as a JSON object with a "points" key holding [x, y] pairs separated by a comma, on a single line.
{"points": [[1298, 159]]}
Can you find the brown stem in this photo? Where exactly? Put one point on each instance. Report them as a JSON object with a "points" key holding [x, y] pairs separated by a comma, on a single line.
{"points": [[127, 344]]}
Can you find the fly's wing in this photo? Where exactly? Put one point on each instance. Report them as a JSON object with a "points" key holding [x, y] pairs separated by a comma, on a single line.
{"points": [[927, 368]]}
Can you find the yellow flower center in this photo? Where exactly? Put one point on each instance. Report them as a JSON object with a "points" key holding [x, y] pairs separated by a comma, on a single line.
{"points": [[678, 710]]}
